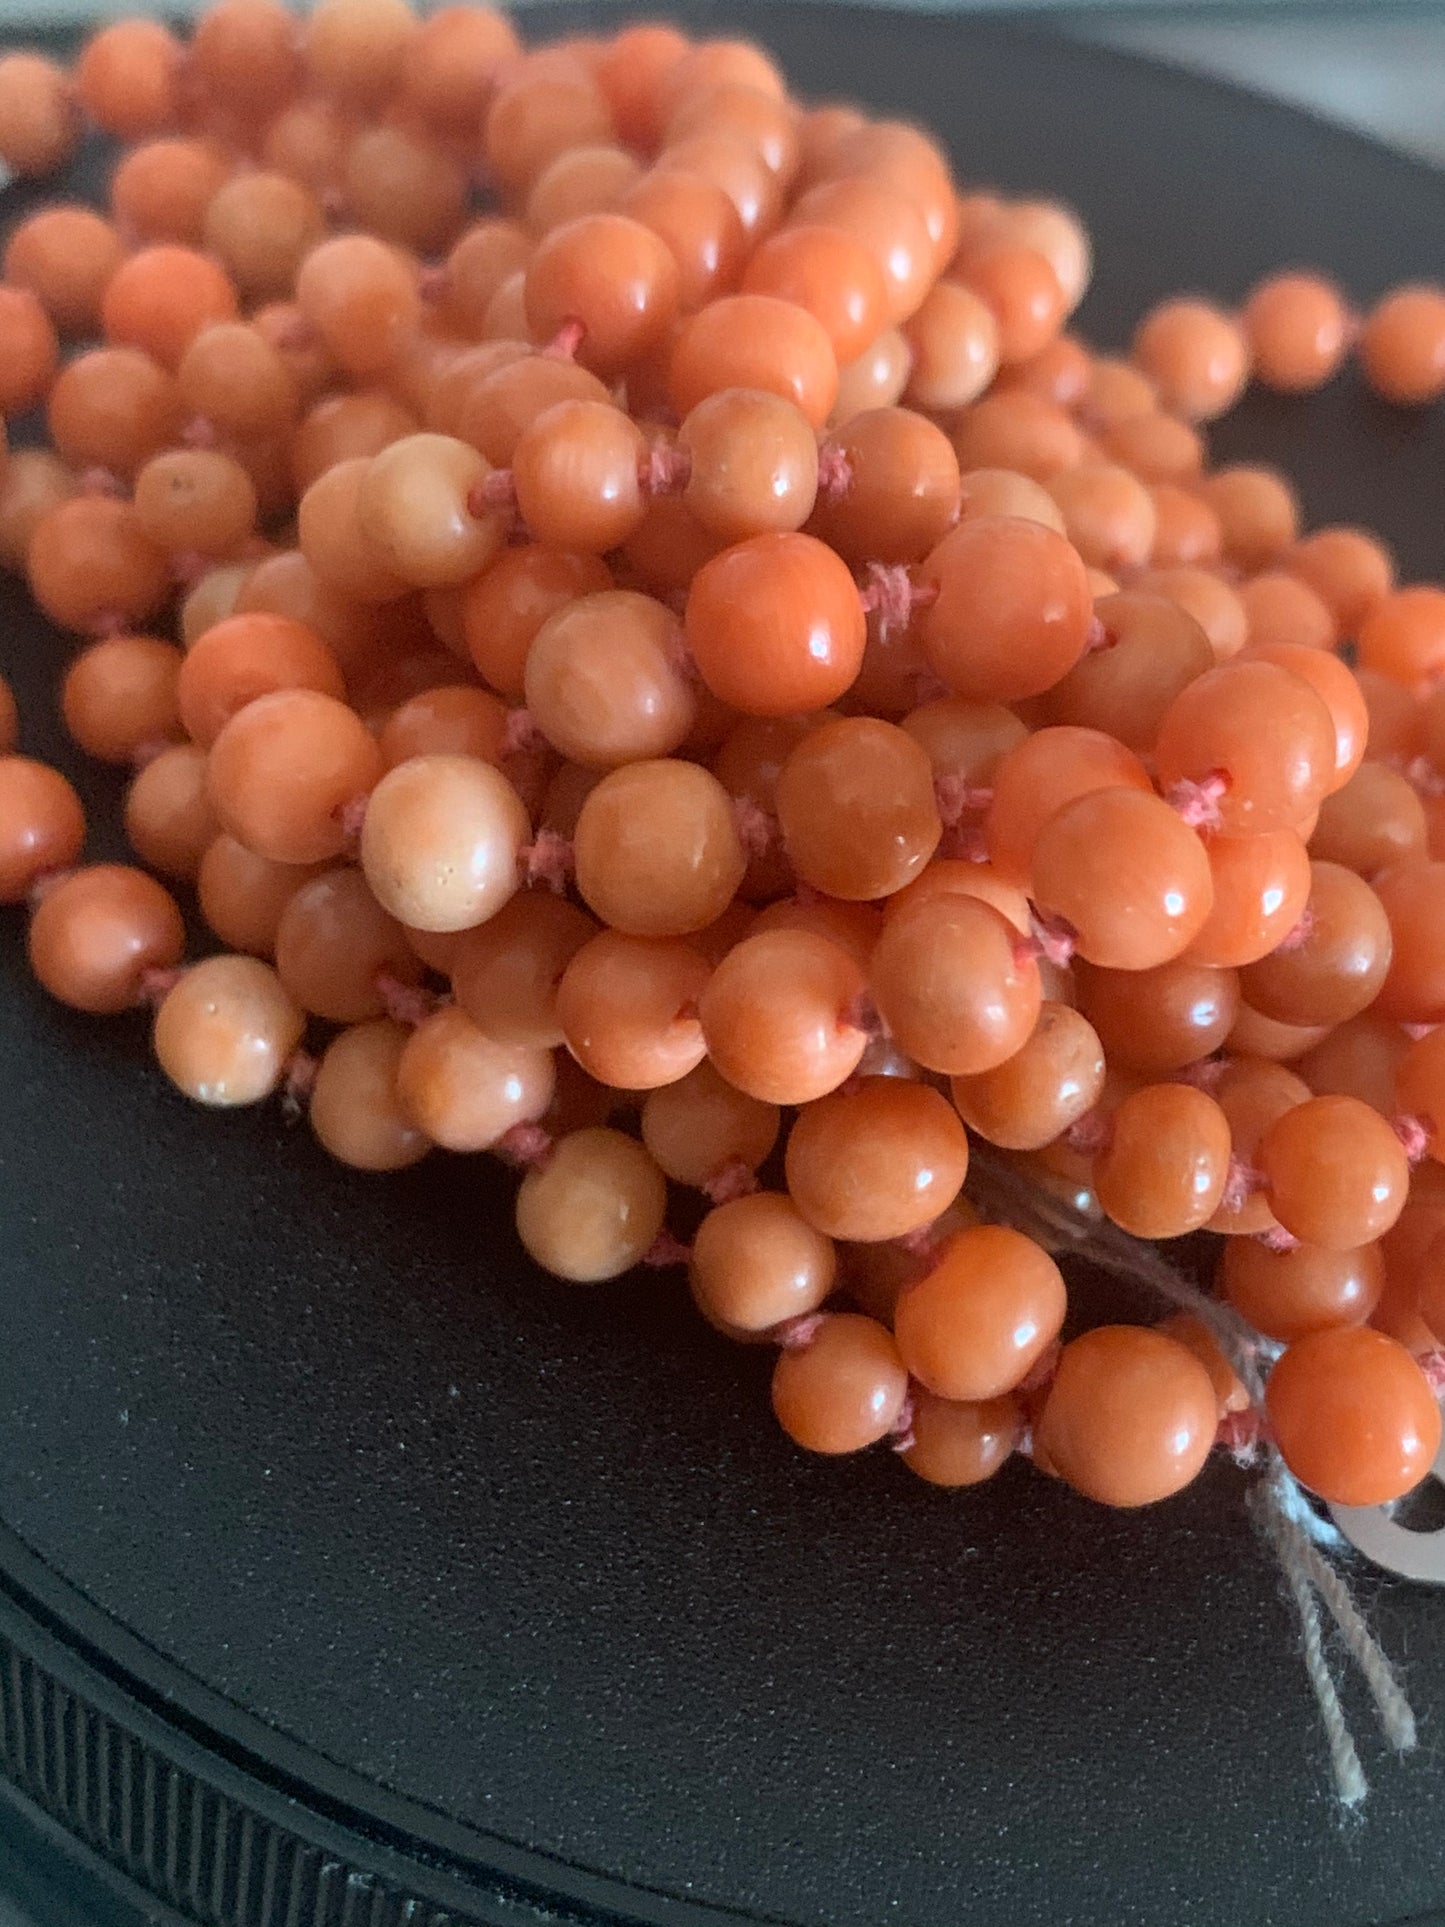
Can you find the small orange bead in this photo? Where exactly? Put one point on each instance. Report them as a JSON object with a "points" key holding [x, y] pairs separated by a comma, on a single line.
{"points": [[1197, 355], [1130, 1417], [1298, 329], [842, 1390], [991, 1305], [1353, 1416], [958, 1442], [1402, 346]]}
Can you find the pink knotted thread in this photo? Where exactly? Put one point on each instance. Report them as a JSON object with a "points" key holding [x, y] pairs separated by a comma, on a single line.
{"points": [[965, 843], [1240, 1434], [796, 1334], [156, 985], [1242, 1180], [520, 733], [99, 481], [1432, 1364], [404, 1003], [862, 1014], [434, 284], [1040, 1375], [1416, 1031], [1090, 1134], [351, 815], [923, 1243], [106, 624], [548, 860], [1276, 1238], [1205, 1073], [1414, 1134], [1197, 803], [1422, 775], [900, 1432], [188, 566], [835, 472], [757, 831], [568, 339], [1299, 936], [893, 595], [665, 469], [495, 494], [1097, 637], [735, 1179], [298, 1081], [46, 884], [1053, 938], [957, 799], [527, 1146], [200, 432], [666, 1250]]}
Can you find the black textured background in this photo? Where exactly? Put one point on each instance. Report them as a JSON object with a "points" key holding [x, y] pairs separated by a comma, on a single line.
{"points": [[528, 1568]]}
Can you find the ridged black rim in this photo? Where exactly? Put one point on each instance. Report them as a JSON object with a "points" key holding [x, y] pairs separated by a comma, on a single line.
{"points": [[177, 1817]]}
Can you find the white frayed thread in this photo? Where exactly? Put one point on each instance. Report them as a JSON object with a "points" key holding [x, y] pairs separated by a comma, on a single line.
{"points": [[1297, 1535]]}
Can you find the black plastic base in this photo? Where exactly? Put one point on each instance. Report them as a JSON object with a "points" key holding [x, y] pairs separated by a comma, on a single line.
{"points": [[354, 1575]]}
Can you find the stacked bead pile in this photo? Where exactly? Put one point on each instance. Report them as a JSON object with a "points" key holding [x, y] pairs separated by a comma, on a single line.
{"points": [[696, 659]]}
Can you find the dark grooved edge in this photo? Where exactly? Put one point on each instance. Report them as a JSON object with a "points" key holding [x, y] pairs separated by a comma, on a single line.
{"points": [[198, 1834]]}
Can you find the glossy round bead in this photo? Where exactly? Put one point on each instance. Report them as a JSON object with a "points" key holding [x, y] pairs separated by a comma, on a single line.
{"points": [[1126, 874], [1353, 1416], [283, 770], [594, 1209], [335, 946], [454, 719], [1334, 1172], [958, 1442], [42, 825], [1334, 683], [1196, 355], [856, 808], [1186, 530], [575, 471], [506, 971], [878, 1160], [604, 680], [1298, 329], [1013, 609], [1360, 1058], [1258, 513], [955, 988], [701, 226], [1160, 1020], [1402, 346], [628, 1009], [1034, 779], [1288, 1294], [1261, 887], [1152, 650], [1003, 491], [463, 1089], [441, 841], [224, 1033], [1163, 1172], [1214, 605], [754, 341], [1022, 292], [168, 816], [1129, 1418], [1332, 967], [242, 896], [354, 1108], [989, 1307], [754, 464], [842, 1390], [955, 344], [39, 124], [902, 490], [1403, 636], [1419, 1086], [1349, 569], [775, 625], [780, 1016], [876, 379], [119, 697], [361, 298], [1413, 896], [505, 607], [1261, 730], [1109, 515], [1051, 1081], [829, 273], [657, 850], [756, 1262], [246, 656], [128, 78], [65, 256], [94, 938], [614, 277], [90, 563], [700, 1126], [1279, 608], [414, 502]]}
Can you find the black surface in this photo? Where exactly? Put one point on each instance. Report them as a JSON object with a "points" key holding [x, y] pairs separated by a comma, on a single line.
{"points": [[527, 1573]]}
